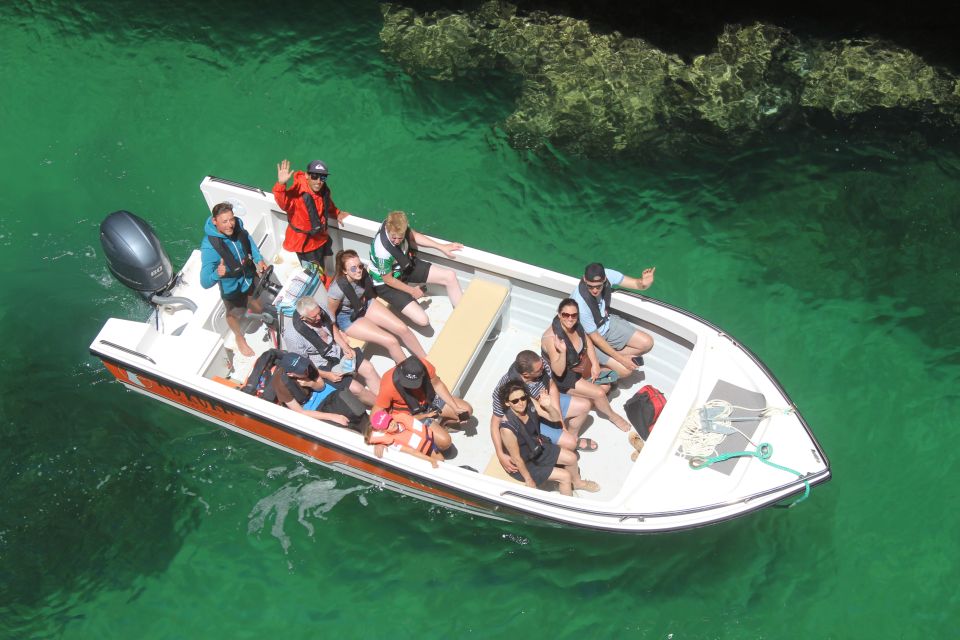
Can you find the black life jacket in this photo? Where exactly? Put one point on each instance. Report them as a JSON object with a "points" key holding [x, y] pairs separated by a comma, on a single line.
{"points": [[606, 293], [235, 269], [414, 405], [264, 369], [358, 303], [405, 261], [318, 220], [529, 442], [311, 336], [573, 356]]}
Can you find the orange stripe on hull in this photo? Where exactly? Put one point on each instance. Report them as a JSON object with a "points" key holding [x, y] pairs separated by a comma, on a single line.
{"points": [[282, 437]]}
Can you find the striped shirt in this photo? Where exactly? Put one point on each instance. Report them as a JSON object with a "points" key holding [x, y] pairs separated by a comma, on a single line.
{"points": [[534, 388]]}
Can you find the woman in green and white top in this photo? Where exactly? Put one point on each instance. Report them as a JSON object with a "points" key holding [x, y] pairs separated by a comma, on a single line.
{"points": [[394, 265]]}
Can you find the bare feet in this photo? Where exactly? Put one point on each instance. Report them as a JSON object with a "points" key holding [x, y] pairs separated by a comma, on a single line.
{"points": [[621, 423], [637, 443], [245, 348], [587, 485]]}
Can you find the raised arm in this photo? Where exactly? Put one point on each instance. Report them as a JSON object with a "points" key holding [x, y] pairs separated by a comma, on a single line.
{"points": [[642, 283]]}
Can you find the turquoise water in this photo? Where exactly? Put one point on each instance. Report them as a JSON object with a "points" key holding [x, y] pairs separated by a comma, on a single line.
{"points": [[833, 258]]}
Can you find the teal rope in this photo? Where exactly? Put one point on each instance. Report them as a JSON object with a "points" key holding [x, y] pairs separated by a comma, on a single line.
{"points": [[763, 454]]}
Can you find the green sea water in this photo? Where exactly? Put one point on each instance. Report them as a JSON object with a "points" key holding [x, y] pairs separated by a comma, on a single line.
{"points": [[834, 259]]}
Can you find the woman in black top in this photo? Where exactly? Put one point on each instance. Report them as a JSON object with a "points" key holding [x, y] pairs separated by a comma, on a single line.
{"points": [[536, 458], [565, 344]]}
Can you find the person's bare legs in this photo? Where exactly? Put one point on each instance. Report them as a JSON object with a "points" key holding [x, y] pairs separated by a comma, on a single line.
{"points": [[448, 278], [370, 376], [417, 315], [595, 394], [233, 321], [385, 319], [577, 413], [364, 329], [562, 478]]}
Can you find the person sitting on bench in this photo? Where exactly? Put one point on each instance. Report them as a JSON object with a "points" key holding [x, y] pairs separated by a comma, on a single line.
{"points": [[574, 362], [398, 272], [619, 344], [536, 458], [311, 333], [291, 380], [351, 300], [413, 387]]}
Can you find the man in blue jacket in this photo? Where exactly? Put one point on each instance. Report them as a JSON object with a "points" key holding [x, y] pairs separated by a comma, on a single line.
{"points": [[230, 258]]}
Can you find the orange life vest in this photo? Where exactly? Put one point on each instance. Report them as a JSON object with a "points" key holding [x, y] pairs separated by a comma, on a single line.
{"points": [[412, 433]]}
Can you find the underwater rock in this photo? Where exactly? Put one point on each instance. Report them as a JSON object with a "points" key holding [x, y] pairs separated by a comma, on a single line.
{"points": [[849, 77], [595, 94]]}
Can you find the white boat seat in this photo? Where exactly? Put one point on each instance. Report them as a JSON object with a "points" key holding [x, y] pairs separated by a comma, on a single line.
{"points": [[466, 330]]}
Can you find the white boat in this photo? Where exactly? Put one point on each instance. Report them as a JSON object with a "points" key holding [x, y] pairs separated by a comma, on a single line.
{"points": [[182, 355]]}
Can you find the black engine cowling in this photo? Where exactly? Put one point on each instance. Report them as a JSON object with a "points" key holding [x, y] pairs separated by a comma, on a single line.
{"points": [[134, 254]]}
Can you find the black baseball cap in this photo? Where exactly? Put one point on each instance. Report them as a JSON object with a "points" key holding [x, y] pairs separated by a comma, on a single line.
{"points": [[317, 166], [412, 372], [594, 271], [296, 364]]}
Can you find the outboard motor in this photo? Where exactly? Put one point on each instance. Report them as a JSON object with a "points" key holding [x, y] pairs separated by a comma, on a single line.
{"points": [[136, 258], [134, 254]]}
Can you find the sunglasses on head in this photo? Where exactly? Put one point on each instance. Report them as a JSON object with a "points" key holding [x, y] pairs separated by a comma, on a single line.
{"points": [[318, 176]]}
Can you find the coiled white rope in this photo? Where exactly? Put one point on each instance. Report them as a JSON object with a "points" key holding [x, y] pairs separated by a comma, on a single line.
{"points": [[695, 441]]}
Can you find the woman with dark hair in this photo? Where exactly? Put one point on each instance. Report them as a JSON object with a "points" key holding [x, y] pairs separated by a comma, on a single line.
{"points": [[573, 360], [351, 302], [537, 459]]}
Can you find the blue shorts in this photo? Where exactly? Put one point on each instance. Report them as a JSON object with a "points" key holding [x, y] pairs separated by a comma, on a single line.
{"points": [[548, 429]]}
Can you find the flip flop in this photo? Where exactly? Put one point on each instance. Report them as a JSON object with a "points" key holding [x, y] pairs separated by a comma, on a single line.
{"points": [[637, 360], [607, 377], [588, 444], [589, 486]]}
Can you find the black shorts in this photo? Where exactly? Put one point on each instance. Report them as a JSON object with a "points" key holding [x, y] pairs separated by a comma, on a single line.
{"points": [[317, 255], [399, 299], [239, 300]]}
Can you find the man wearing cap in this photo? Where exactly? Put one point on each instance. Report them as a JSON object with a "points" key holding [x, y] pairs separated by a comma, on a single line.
{"points": [[309, 209], [413, 387], [296, 384], [619, 344]]}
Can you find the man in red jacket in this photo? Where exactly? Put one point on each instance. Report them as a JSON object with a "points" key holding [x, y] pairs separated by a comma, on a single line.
{"points": [[309, 209]]}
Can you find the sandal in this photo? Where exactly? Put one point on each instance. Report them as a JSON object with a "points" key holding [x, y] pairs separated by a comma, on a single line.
{"points": [[589, 486], [586, 444]]}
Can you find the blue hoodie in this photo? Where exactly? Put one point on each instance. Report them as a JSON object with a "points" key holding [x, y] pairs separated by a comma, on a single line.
{"points": [[210, 260]]}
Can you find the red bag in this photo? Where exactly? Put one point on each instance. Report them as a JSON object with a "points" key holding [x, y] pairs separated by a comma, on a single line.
{"points": [[644, 408]]}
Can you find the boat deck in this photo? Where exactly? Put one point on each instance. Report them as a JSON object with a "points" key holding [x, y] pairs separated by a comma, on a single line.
{"points": [[528, 314]]}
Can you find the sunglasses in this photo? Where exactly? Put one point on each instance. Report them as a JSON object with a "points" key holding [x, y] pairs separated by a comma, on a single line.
{"points": [[322, 177], [595, 287], [355, 268], [564, 314], [517, 400]]}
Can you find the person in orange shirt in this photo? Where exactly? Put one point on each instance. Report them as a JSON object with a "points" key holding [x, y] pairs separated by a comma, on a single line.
{"points": [[413, 387], [309, 210]]}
